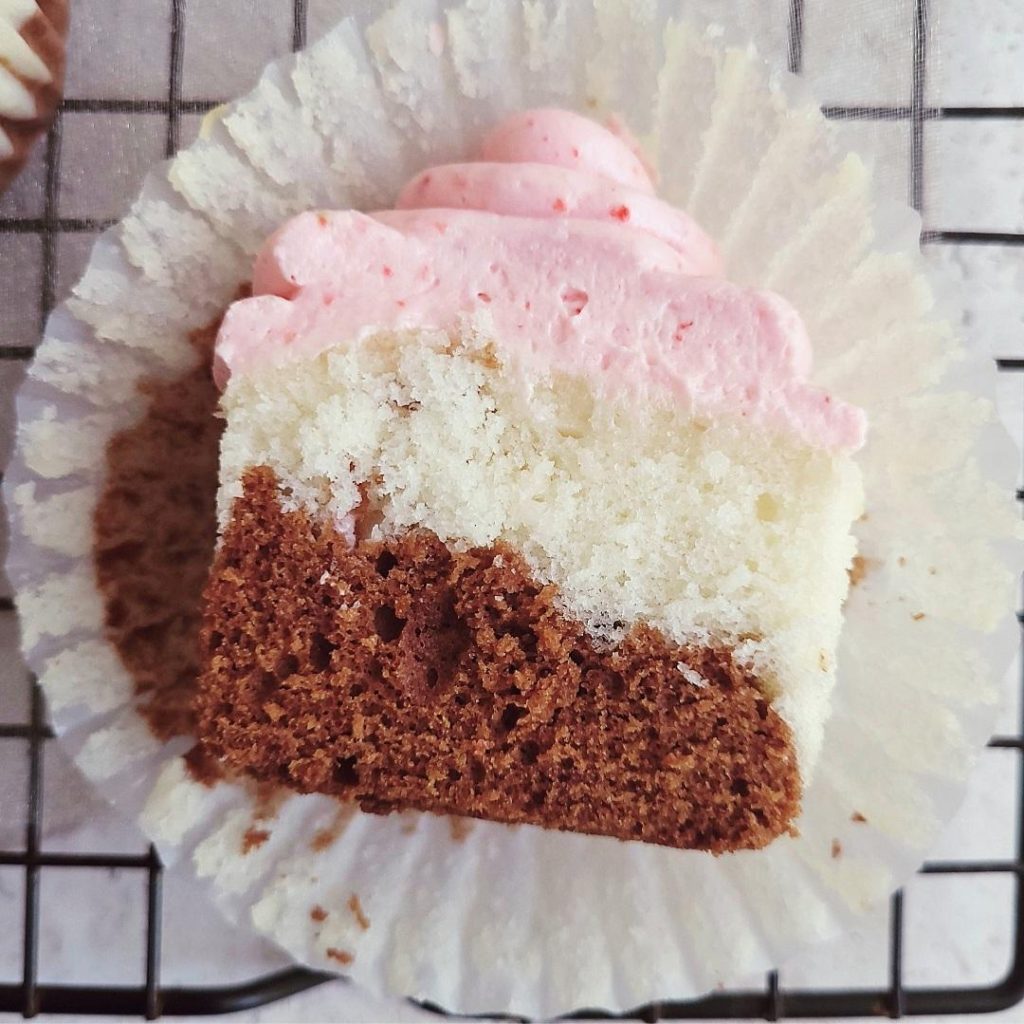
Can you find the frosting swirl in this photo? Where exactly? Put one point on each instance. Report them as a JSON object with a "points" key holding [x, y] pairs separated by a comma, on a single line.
{"points": [[556, 235], [550, 164]]}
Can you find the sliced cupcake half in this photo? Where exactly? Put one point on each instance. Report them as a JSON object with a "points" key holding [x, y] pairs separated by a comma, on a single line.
{"points": [[527, 513]]}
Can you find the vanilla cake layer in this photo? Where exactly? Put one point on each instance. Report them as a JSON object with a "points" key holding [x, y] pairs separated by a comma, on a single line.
{"points": [[717, 535]]}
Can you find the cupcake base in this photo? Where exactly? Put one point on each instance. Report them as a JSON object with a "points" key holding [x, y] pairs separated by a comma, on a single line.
{"points": [[402, 674]]}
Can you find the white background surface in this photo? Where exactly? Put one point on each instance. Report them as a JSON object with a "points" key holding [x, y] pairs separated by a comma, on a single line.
{"points": [[958, 929]]}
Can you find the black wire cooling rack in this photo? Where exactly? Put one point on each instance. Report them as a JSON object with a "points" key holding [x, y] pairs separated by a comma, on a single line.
{"points": [[773, 1002]]}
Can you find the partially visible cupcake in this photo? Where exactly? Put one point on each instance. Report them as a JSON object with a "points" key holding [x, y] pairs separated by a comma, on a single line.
{"points": [[610, 601], [32, 35]]}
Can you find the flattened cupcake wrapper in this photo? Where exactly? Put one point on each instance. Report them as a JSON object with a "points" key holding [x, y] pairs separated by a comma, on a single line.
{"points": [[472, 915]]}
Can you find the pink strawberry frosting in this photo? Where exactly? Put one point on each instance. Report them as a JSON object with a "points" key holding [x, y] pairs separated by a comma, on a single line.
{"points": [[557, 236]]}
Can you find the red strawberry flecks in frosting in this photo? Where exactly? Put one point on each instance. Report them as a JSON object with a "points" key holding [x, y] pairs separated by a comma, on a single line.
{"points": [[557, 235]]}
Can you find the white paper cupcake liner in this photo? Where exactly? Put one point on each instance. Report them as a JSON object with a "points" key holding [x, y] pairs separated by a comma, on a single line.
{"points": [[477, 916]]}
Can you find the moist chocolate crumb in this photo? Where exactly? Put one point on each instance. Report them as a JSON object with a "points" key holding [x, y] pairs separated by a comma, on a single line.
{"points": [[254, 837], [837, 849], [406, 675], [342, 956], [202, 766], [318, 914], [154, 534], [858, 818]]}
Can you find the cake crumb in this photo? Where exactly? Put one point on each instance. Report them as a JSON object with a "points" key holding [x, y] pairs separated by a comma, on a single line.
{"points": [[201, 767], [459, 828], [918, 616], [267, 799], [823, 660], [488, 357], [693, 677], [858, 818], [253, 838], [318, 914], [837, 849], [858, 569], [357, 912], [342, 956], [901, 561], [325, 837], [322, 840]]}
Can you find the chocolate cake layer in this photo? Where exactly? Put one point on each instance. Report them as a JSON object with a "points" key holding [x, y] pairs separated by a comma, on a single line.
{"points": [[155, 528], [403, 674]]}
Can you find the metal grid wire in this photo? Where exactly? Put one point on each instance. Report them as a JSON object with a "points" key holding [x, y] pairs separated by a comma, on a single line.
{"points": [[151, 999]]}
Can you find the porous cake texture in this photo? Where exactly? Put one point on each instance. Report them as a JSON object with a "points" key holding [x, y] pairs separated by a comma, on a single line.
{"points": [[403, 672], [439, 587]]}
